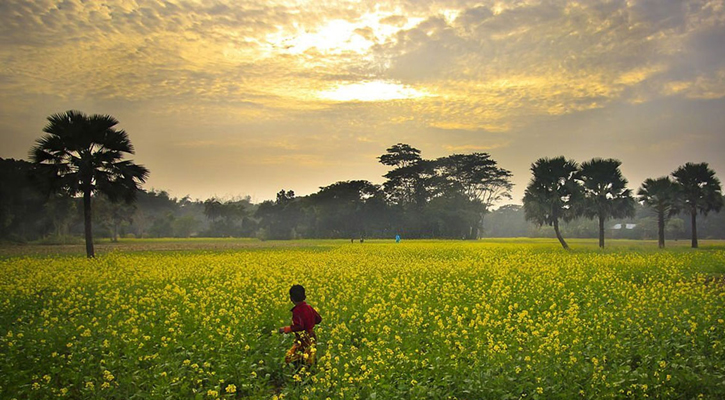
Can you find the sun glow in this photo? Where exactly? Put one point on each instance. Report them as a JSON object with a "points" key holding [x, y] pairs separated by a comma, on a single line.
{"points": [[372, 91], [339, 36]]}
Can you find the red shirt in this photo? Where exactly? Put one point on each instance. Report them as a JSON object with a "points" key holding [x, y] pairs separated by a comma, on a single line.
{"points": [[304, 318]]}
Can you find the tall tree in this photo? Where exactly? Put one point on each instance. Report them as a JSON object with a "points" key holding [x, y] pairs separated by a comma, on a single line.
{"points": [[85, 155], [701, 192], [404, 181], [662, 196], [552, 193], [478, 177], [605, 192]]}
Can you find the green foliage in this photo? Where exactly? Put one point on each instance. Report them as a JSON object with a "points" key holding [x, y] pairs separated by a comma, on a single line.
{"points": [[605, 192], [553, 193], [84, 154], [700, 190], [418, 319]]}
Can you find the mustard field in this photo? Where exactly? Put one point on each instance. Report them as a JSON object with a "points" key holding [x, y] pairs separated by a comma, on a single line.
{"points": [[440, 320]]}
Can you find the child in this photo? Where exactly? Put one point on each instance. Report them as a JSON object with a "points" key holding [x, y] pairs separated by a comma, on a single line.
{"points": [[304, 319]]}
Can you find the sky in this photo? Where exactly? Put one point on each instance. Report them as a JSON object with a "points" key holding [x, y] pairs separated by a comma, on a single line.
{"points": [[234, 98]]}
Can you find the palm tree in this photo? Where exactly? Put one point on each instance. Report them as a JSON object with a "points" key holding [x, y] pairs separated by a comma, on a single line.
{"points": [[662, 195], [84, 154], [605, 192], [552, 193], [701, 191]]}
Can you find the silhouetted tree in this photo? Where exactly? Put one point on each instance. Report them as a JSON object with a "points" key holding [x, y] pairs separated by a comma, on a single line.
{"points": [[403, 179], [605, 192], [23, 196], [478, 177], [213, 209], [279, 218], [85, 155], [661, 195], [701, 192], [345, 209], [552, 193]]}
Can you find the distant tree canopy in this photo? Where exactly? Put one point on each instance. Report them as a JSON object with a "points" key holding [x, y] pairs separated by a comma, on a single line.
{"points": [[445, 197], [448, 197]]}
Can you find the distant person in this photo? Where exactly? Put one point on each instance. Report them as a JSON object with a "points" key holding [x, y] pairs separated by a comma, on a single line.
{"points": [[352, 240], [304, 319], [362, 240], [397, 238]]}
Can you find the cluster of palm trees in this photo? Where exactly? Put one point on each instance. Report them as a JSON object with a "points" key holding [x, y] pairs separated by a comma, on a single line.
{"points": [[561, 189], [83, 154]]}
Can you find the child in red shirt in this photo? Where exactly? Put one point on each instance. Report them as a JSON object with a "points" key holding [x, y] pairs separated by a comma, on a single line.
{"points": [[304, 319]]}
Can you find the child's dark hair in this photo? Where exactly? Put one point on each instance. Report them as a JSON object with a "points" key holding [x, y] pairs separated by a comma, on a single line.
{"points": [[297, 293]]}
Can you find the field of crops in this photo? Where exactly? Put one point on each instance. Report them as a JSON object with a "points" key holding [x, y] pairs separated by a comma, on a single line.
{"points": [[444, 320]]}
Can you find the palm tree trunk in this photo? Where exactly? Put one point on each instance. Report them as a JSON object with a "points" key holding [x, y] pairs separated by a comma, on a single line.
{"points": [[661, 229], [87, 221], [601, 231], [558, 235], [693, 216]]}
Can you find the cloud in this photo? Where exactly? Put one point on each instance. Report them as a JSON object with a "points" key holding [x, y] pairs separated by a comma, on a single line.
{"points": [[493, 73]]}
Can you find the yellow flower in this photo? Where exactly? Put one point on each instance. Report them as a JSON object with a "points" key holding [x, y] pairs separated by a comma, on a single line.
{"points": [[231, 389]]}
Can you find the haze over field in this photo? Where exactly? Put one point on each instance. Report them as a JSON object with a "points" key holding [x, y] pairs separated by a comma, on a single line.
{"points": [[249, 97]]}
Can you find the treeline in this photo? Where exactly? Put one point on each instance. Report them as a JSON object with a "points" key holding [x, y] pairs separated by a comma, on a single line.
{"points": [[449, 197], [446, 197], [30, 211], [509, 221]]}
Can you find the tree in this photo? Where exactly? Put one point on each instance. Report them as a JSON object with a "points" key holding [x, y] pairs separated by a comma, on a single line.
{"points": [[662, 196], [701, 192], [112, 215], [23, 197], [279, 218], [84, 155], [345, 209], [478, 177], [605, 192], [552, 193], [403, 185], [213, 209], [227, 219]]}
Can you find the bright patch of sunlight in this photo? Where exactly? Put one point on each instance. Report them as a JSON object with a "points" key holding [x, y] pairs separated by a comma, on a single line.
{"points": [[372, 91], [338, 36]]}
